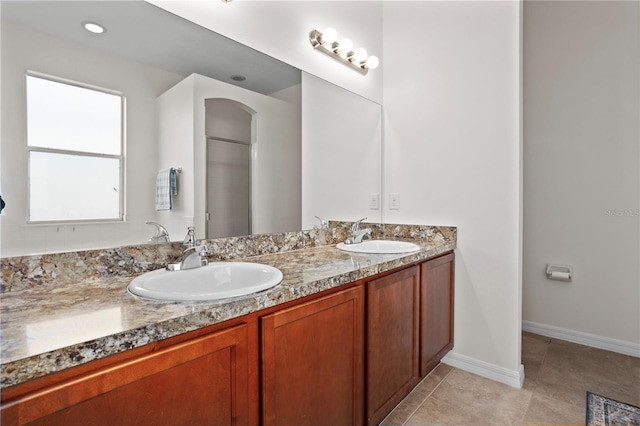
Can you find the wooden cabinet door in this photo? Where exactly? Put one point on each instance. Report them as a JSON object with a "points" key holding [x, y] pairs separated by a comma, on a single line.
{"points": [[436, 311], [392, 341], [203, 381], [312, 362]]}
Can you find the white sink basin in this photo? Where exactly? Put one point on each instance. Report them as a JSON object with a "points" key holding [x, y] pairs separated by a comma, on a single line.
{"points": [[379, 247], [217, 280]]}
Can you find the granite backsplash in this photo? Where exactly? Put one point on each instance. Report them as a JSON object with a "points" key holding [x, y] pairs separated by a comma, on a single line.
{"points": [[38, 271]]}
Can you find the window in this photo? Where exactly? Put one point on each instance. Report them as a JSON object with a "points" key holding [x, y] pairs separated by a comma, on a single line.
{"points": [[75, 151]]}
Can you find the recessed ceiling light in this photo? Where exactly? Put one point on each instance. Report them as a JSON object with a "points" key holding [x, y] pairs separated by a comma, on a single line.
{"points": [[238, 78], [93, 27]]}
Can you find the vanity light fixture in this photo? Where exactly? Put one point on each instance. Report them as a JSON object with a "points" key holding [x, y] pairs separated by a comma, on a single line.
{"points": [[92, 27], [358, 60]]}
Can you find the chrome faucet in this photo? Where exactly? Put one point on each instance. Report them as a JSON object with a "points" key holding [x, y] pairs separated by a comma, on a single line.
{"points": [[357, 234], [192, 257], [324, 224], [162, 235]]}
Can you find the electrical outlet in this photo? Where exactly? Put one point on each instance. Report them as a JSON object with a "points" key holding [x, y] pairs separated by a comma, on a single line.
{"points": [[374, 201], [394, 201]]}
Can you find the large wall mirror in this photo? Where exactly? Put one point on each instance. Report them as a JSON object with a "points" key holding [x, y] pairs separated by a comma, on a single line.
{"points": [[233, 122]]}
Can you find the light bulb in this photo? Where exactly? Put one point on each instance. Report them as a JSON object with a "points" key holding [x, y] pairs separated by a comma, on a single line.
{"points": [[93, 27], [372, 62], [346, 45], [329, 35], [360, 54]]}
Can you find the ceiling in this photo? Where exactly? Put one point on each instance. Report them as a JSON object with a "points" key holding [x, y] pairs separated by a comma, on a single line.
{"points": [[145, 33]]}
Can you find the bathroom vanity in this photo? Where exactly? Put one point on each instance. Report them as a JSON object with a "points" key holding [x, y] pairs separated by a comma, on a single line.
{"points": [[342, 340]]}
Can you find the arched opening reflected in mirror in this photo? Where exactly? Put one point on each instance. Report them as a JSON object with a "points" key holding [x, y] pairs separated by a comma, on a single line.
{"points": [[229, 165]]}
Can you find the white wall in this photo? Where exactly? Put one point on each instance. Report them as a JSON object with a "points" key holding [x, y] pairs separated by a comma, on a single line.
{"points": [[281, 29], [175, 134], [341, 153], [452, 151], [582, 178], [24, 49]]}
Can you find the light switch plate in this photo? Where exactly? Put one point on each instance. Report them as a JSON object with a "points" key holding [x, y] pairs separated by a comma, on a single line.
{"points": [[394, 201], [374, 201]]}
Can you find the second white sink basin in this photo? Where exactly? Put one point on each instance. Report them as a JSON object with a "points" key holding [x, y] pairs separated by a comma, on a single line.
{"points": [[379, 247], [216, 280]]}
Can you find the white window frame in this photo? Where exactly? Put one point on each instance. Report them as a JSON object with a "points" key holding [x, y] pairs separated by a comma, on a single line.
{"points": [[120, 158]]}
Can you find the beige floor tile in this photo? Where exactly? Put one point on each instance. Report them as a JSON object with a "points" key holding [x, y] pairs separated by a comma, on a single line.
{"points": [[492, 401], [533, 350], [399, 415], [405, 409], [437, 412], [536, 336], [571, 386], [431, 382], [442, 370], [607, 373], [544, 410], [634, 395], [557, 376], [419, 394], [395, 418], [590, 361], [635, 364], [635, 382], [564, 342], [531, 372]]}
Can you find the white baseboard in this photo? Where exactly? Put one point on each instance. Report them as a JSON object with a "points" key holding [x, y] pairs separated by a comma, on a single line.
{"points": [[490, 371], [600, 342]]}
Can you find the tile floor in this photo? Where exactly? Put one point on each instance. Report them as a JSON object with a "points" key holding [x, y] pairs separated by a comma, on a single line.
{"points": [[557, 376]]}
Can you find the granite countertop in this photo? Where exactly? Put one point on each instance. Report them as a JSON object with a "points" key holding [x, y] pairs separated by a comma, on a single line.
{"points": [[52, 328]]}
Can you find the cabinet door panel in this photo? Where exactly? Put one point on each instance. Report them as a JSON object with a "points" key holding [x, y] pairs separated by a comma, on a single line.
{"points": [[200, 382], [436, 311], [312, 362], [392, 341]]}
